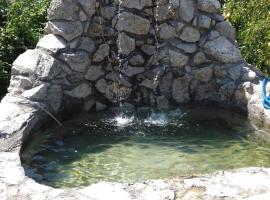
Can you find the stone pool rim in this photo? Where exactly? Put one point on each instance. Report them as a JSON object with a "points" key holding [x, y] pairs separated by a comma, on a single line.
{"points": [[14, 184]]}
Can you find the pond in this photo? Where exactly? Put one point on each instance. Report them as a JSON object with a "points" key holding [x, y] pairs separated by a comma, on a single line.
{"points": [[143, 144]]}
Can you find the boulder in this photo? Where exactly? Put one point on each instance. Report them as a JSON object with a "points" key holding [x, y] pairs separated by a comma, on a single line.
{"points": [[204, 21], [55, 95], [89, 6], [125, 44], [38, 93], [101, 86], [87, 44], [137, 4], [82, 91], [115, 92], [187, 9], [186, 47], [199, 58], [52, 43], [62, 10], [132, 71], [133, 24], [177, 59], [94, 72], [163, 12], [137, 60], [190, 34], [108, 12], [67, 29], [38, 64], [102, 52], [204, 74], [166, 32], [78, 61], [150, 84], [210, 6], [227, 30], [222, 50], [180, 89], [149, 49]]}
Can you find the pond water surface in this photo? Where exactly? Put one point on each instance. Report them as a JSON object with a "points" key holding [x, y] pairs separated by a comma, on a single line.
{"points": [[143, 144]]}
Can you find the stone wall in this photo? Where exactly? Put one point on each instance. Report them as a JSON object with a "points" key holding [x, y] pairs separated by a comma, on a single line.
{"points": [[98, 53]]}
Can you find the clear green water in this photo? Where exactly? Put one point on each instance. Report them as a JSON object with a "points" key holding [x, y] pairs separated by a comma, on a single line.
{"points": [[145, 145]]}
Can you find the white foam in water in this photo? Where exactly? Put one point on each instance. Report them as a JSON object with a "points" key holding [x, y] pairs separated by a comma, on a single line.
{"points": [[121, 120], [158, 119]]}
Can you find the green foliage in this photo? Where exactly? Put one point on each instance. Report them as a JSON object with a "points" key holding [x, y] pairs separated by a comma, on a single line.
{"points": [[251, 18], [21, 25]]}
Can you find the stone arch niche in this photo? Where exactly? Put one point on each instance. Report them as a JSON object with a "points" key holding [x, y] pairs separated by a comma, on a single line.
{"points": [[144, 52]]}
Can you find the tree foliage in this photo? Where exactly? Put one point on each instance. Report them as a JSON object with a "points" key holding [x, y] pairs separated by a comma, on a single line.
{"points": [[21, 25], [251, 18]]}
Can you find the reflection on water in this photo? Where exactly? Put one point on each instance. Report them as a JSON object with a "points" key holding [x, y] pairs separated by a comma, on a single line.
{"points": [[146, 144]]}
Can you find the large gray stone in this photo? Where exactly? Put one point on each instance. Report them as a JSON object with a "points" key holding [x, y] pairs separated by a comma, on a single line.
{"points": [[82, 91], [63, 10], [133, 24], [186, 10], [227, 30], [26, 63], [204, 74], [132, 71], [137, 60], [19, 83], [204, 21], [87, 44], [235, 72], [226, 91], [162, 102], [163, 12], [89, 6], [118, 77], [199, 58], [67, 29], [38, 93], [180, 89], [102, 52], [94, 73], [165, 85], [55, 95], [125, 44], [223, 50], [101, 86], [190, 34], [108, 12], [78, 61], [138, 4], [115, 92], [52, 43], [150, 84], [186, 47], [13, 117], [211, 6], [149, 49], [166, 32], [177, 59], [38, 64]]}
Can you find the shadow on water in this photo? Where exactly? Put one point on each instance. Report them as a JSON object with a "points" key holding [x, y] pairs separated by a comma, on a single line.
{"points": [[154, 144]]}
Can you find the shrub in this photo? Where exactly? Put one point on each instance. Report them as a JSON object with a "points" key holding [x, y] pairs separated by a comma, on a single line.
{"points": [[251, 18], [21, 25]]}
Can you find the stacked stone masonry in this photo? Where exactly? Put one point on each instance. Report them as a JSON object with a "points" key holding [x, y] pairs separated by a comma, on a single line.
{"points": [[161, 53]]}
